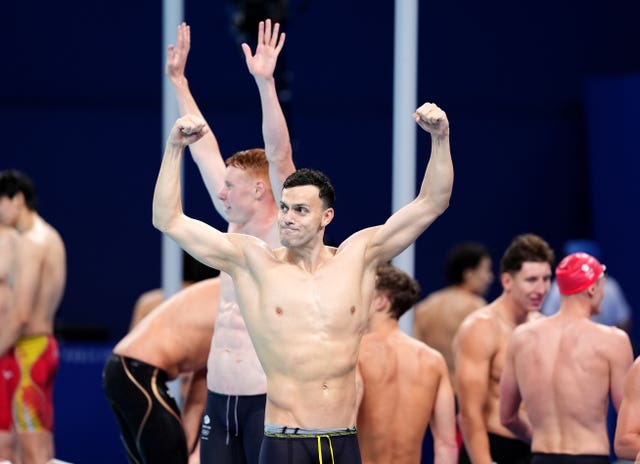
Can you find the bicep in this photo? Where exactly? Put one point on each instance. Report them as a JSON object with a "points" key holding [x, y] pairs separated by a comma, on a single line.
{"points": [[402, 229], [622, 361], [472, 365], [628, 419], [207, 244], [279, 169]]}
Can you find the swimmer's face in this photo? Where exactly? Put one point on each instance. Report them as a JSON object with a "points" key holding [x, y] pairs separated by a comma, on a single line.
{"points": [[480, 277], [529, 285], [9, 210], [301, 217], [239, 195]]}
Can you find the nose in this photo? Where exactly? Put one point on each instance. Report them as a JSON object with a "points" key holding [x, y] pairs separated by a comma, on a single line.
{"points": [[542, 286], [222, 194], [285, 216]]}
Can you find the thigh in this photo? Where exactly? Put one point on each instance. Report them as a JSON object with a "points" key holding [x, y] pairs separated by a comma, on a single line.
{"points": [[252, 426], [219, 441]]}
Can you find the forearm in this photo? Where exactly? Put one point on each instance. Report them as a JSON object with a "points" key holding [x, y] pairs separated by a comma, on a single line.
{"points": [[437, 183], [519, 427], [194, 406], [167, 202], [274, 126], [445, 452], [476, 439], [206, 151], [277, 144]]}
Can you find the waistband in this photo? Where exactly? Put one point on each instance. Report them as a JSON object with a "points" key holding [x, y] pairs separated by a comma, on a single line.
{"points": [[564, 455], [139, 366], [226, 396], [28, 339], [274, 430]]}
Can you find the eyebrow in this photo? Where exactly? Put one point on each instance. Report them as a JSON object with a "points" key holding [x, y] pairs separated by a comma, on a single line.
{"points": [[293, 205]]}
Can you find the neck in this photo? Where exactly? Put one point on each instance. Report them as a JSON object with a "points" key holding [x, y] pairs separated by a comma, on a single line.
{"points": [[261, 222], [509, 311], [381, 323], [308, 257], [575, 306], [26, 219]]}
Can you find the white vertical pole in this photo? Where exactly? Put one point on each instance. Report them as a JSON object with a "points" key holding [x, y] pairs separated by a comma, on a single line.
{"points": [[172, 15], [404, 128]]}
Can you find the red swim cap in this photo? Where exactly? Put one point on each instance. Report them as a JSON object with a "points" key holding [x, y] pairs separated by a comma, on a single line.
{"points": [[577, 272]]}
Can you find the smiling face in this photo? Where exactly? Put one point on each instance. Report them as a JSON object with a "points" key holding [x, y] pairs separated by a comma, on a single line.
{"points": [[302, 217], [529, 285]]}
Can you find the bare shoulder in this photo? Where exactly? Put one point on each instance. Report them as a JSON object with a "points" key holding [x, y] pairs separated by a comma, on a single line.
{"points": [[479, 332], [146, 303], [358, 239], [427, 355], [480, 319], [618, 336], [433, 300], [633, 374]]}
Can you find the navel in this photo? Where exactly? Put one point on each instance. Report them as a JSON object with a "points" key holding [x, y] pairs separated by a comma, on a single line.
{"points": [[353, 310], [278, 311]]}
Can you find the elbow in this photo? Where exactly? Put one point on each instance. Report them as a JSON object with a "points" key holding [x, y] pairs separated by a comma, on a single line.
{"points": [[509, 421], [158, 222], [161, 220], [624, 448]]}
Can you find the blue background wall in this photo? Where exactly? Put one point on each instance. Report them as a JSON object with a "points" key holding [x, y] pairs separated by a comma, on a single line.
{"points": [[540, 97]]}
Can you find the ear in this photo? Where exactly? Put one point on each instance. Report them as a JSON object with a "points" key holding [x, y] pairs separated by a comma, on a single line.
{"points": [[327, 216], [506, 279], [260, 188], [19, 198], [466, 275], [380, 302], [591, 291]]}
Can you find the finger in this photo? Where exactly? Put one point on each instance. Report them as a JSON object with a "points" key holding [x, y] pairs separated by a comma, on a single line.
{"points": [[246, 50], [280, 43], [274, 37], [267, 32], [260, 32]]}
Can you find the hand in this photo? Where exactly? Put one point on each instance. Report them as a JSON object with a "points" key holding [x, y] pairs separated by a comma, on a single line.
{"points": [[177, 54], [432, 119], [270, 42], [187, 130]]}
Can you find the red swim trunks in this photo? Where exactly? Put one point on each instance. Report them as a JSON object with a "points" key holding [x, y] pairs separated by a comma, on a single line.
{"points": [[38, 360]]}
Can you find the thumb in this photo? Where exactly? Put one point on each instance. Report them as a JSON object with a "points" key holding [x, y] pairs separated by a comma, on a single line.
{"points": [[246, 50]]}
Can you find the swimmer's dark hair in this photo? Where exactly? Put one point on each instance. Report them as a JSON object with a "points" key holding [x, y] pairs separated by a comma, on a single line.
{"points": [[13, 182], [312, 177], [523, 248], [466, 255], [402, 290]]}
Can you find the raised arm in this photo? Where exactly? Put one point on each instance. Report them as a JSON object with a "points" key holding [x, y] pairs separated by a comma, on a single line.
{"points": [[277, 144], [406, 225], [206, 151], [200, 240], [627, 437]]}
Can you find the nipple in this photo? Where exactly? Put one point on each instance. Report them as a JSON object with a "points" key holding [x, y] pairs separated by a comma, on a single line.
{"points": [[278, 311]]}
